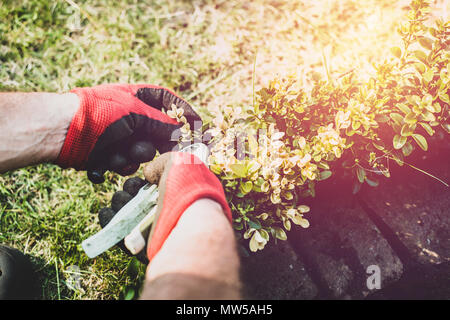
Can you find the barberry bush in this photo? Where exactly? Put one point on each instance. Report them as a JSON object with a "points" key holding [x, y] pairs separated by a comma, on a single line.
{"points": [[271, 154]]}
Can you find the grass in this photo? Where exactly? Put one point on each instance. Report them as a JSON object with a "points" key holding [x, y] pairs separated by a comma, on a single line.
{"points": [[205, 50]]}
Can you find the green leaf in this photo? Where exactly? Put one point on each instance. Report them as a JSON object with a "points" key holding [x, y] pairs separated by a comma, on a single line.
{"points": [[280, 234], [421, 141], [133, 267], [238, 226], [361, 174], [385, 172], [428, 75], [404, 108], [446, 127], [428, 116], [349, 132], [381, 118], [433, 31], [407, 130], [378, 146], [287, 224], [398, 157], [254, 224], [372, 183], [433, 123], [396, 51], [427, 128], [239, 170], [421, 56], [444, 97], [430, 108], [303, 208], [264, 234], [356, 187], [407, 149], [129, 293], [414, 99], [216, 169], [243, 251], [300, 221], [246, 187], [356, 125], [425, 42], [253, 166], [253, 244], [399, 141], [420, 67], [324, 175], [398, 119], [323, 165], [411, 118], [437, 107]]}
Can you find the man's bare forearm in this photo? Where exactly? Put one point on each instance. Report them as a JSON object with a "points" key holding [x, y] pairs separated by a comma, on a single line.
{"points": [[198, 260], [33, 127]]}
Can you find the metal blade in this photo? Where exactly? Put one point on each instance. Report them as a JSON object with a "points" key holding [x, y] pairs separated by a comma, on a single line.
{"points": [[123, 222]]}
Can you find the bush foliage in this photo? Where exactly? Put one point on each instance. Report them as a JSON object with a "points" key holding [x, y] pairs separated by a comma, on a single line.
{"points": [[271, 154]]}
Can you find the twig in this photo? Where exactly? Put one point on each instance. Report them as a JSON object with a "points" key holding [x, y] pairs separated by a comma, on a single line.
{"points": [[420, 170], [403, 162], [330, 80], [212, 83], [253, 81], [87, 15]]}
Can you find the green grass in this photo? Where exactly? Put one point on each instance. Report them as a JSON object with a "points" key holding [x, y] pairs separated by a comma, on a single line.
{"points": [[205, 50]]}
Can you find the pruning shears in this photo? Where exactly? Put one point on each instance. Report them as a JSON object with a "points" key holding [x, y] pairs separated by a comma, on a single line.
{"points": [[132, 223]]}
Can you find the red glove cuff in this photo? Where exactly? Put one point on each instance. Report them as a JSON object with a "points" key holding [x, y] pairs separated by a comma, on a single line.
{"points": [[84, 130], [187, 181]]}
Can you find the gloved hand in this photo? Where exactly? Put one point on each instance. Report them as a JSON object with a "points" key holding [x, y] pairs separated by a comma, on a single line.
{"points": [[182, 179], [117, 125]]}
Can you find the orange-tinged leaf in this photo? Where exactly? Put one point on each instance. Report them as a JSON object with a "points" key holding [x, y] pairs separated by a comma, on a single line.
{"points": [[407, 149], [396, 51], [421, 141], [421, 56], [399, 141], [425, 42], [427, 128]]}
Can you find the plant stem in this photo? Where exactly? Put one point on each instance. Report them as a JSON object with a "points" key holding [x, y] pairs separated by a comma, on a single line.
{"points": [[420, 170]]}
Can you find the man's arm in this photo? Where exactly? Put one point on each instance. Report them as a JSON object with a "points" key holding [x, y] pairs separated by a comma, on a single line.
{"points": [[113, 127], [33, 127], [198, 260], [191, 247]]}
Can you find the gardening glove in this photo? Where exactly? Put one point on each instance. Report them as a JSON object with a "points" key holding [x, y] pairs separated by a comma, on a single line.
{"points": [[182, 179], [117, 127]]}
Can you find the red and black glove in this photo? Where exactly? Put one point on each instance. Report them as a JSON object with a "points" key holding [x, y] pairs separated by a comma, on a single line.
{"points": [[183, 179], [118, 126]]}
